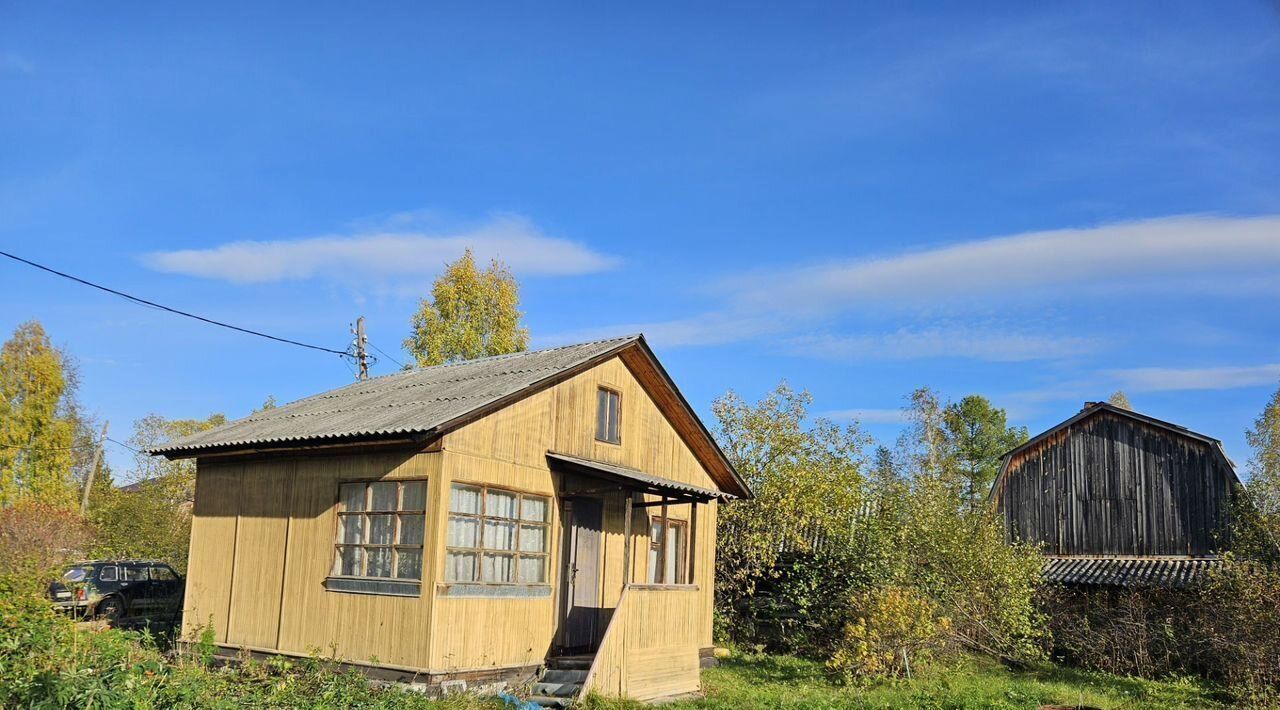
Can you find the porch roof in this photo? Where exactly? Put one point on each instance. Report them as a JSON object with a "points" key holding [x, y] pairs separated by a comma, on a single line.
{"points": [[635, 479]]}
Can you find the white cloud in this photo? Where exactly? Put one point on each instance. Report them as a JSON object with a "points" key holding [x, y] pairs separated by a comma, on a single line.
{"points": [[1145, 254], [989, 299], [1160, 379], [396, 255], [868, 415], [950, 341]]}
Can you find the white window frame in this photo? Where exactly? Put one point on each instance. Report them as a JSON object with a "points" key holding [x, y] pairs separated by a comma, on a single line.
{"points": [[515, 553], [396, 546], [656, 573]]}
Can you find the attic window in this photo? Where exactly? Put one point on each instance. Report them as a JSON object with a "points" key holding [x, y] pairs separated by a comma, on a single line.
{"points": [[608, 412]]}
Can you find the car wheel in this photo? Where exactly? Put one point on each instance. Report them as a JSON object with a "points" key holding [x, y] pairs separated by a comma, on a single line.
{"points": [[111, 608]]}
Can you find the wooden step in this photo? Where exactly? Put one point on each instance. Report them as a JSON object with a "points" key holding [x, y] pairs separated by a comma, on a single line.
{"points": [[557, 690], [575, 663], [552, 675]]}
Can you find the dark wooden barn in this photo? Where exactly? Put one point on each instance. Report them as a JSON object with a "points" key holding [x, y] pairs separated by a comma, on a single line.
{"points": [[1119, 498]]}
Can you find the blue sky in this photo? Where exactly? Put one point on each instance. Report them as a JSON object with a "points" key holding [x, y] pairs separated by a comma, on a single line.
{"points": [[1041, 205]]}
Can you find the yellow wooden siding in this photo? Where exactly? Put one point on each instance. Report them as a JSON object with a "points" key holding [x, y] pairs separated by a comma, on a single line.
{"points": [[213, 538], [508, 449], [648, 653], [563, 419], [283, 522], [263, 539], [259, 559], [478, 633]]}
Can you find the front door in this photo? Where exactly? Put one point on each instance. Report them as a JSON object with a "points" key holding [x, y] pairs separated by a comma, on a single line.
{"points": [[580, 616]]}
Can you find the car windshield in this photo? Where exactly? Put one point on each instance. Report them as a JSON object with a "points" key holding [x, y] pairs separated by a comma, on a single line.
{"points": [[77, 574]]}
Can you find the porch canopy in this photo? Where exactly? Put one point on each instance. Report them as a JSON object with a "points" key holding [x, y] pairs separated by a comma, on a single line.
{"points": [[636, 480]]}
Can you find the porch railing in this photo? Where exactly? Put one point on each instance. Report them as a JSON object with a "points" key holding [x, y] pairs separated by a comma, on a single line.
{"points": [[650, 649]]}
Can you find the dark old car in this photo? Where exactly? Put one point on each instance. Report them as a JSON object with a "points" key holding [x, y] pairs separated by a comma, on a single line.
{"points": [[116, 589]]}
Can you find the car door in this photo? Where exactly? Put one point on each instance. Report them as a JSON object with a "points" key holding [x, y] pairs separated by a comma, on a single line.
{"points": [[135, 587], [166, 589]]}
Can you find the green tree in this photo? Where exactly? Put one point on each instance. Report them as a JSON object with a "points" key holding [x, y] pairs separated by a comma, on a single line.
{"points": [[1264, 465], [884, 469], [978, 435], [472, 313], [179, 475], [807, 478], [923, 444], [151, 517], [37, 419], [1120, 399]]}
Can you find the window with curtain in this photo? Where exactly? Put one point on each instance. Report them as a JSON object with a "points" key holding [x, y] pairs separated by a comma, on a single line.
{"points": [[669, 566], [496, 536], [608, 412], [380, 529]]}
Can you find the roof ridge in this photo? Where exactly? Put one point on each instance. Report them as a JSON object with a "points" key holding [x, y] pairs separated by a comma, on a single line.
{"points": [[527, 353], [429, 396]]}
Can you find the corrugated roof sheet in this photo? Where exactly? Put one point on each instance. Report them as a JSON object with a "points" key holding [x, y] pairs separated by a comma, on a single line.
{"points": [[658, 484], [406, 403], [1175, 573]]}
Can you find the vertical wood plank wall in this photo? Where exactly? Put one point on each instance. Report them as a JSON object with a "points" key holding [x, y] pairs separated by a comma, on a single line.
{"points": [[262, 544], [1109, 485], [508, 448], [263, 536], [644, 656]]}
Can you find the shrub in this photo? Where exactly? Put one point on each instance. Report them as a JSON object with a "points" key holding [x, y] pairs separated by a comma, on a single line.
{"points": [[48, 661], [1149, 633], [893, 627], [1224, 630], [36, 540], [1241, 622]]}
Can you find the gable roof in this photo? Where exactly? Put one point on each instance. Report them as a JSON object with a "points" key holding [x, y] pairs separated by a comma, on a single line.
{"points": [[1092, 409], [422, 404]]}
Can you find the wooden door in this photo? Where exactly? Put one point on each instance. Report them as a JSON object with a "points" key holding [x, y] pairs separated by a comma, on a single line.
{"points": [[580, 615]]}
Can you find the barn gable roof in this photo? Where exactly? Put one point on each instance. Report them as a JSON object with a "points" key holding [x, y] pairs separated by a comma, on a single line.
{"points": [[1093, 409], [425, 403]]}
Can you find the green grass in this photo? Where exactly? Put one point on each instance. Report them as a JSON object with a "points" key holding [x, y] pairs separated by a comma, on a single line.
{"points": [[785, 682]]}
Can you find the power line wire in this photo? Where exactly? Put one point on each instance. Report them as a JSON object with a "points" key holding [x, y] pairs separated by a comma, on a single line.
{"points": [[152, 304], [121, 443], [50, 448], [389, 357]]}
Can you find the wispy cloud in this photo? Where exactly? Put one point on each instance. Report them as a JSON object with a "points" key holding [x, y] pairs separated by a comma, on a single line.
{"points": [[939, 302], [949, 341], [1163, 379], [397, 255], [16, 63], [1156, 253]]}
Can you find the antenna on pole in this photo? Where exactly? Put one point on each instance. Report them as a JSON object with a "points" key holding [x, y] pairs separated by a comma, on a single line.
{"points": [[362, 352]]}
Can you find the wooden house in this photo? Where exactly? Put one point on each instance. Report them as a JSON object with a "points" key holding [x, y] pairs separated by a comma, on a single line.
{"points": [[546, 516], [1118, 498]]}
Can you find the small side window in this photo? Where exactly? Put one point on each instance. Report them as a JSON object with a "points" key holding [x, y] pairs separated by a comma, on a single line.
{"points": [[108, 574]]}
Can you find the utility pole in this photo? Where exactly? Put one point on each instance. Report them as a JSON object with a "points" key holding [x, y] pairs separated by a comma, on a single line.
{"points": [[93, 469], [362, 352]]}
